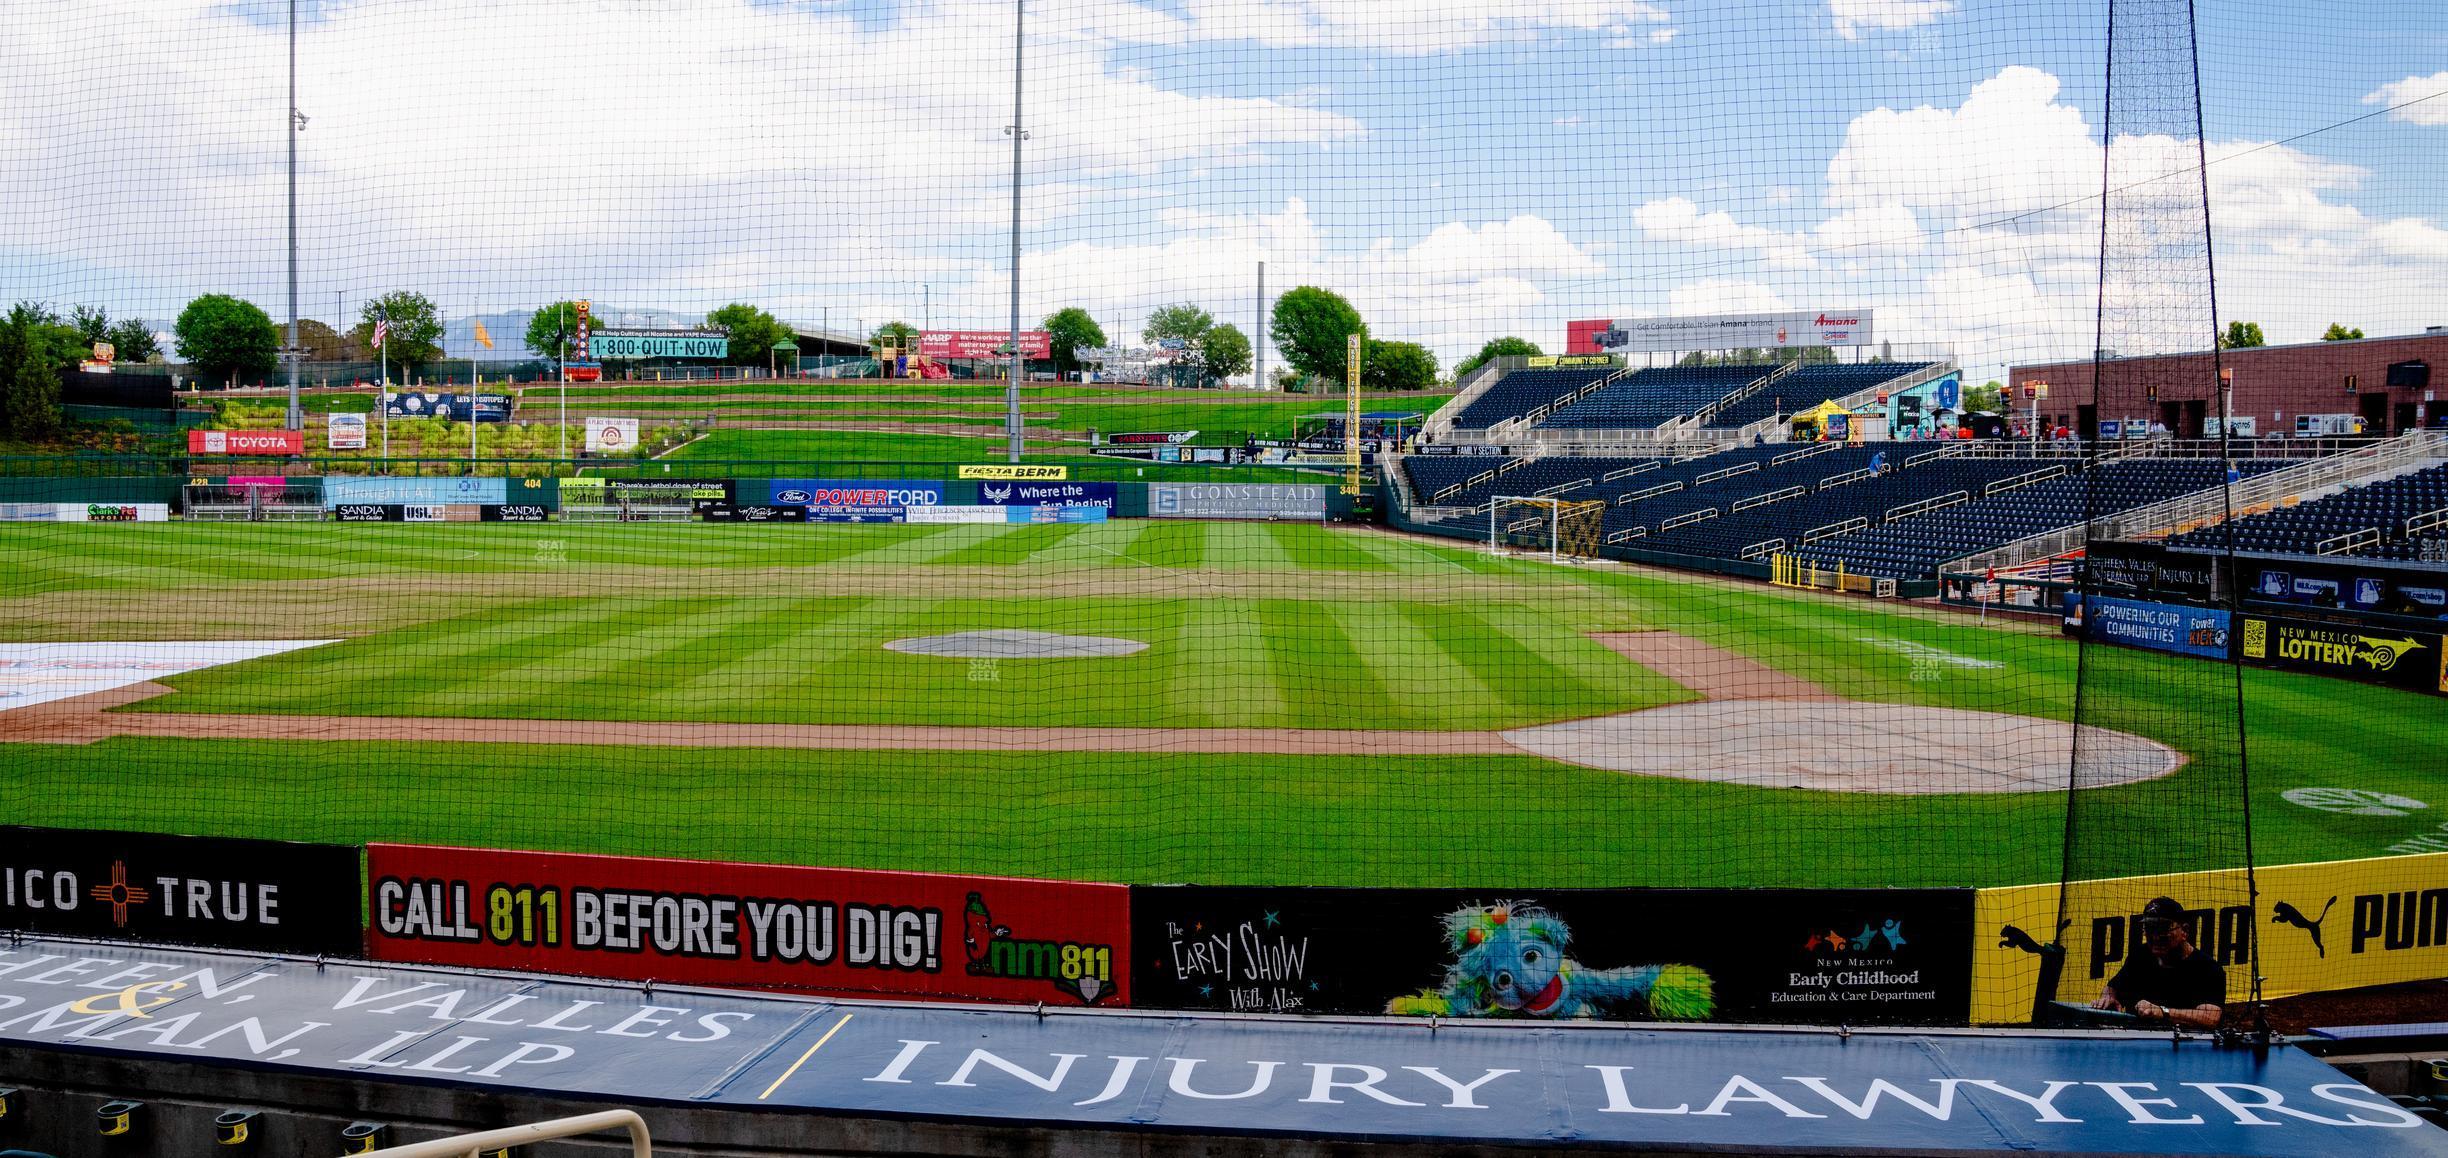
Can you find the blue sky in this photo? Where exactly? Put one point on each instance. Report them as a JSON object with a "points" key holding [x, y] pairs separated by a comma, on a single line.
{"points": [[1460, 169]]}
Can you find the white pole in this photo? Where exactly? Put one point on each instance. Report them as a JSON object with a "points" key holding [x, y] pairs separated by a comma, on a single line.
{"points": [[1554, 529], [382, 400], [561, 317], [473, 383]]}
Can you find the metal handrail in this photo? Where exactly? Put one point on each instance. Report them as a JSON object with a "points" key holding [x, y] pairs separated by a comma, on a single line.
{"points": [[1726, 472], [1831, 530], [1660, 489], [2027, 478], [1763, 547], [1922, 506], [470, 1145], [2347, 542], [1765, 498], [1805, 452], [1688, 518]]}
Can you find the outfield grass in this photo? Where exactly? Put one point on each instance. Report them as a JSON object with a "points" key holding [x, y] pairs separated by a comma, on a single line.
{"points": [[1249, 624], [744, 451]]}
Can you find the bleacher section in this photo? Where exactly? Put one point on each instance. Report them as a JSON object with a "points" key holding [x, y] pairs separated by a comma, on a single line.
{"points": [[1810, 386], [1861, 506], [1653, 397], [1519, 392], [2369, 520], [1912, 548]]}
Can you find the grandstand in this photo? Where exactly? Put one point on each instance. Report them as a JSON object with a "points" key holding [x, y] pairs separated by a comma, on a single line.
{"points": [[2386, 519]]}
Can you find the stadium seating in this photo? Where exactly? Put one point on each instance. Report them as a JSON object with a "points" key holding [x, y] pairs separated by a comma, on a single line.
{"points": [[1650, 398], [1519, 392], [1812, 385], [2382, 507], [1913, 547]]}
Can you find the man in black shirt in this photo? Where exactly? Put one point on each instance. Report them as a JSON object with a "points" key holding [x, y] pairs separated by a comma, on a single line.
{"points": [[2175, 982]]}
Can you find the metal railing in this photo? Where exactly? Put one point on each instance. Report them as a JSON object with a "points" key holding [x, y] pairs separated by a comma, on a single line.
{"points": [[1761, 500], [1634, 469], [1923, 506], [471, 1145], [1831, 530], [1805, 452], [1763, 547], [1727, 472], [1688, 518], [1652, 492], [2025, 479], [1855, 475], [2339, 544]]}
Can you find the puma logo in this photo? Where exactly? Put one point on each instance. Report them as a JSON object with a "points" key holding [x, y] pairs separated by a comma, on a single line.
{"points": [[2283, 913]]}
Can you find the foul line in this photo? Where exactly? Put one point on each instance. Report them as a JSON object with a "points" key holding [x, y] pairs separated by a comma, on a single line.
{"points": [[811, 1052]]}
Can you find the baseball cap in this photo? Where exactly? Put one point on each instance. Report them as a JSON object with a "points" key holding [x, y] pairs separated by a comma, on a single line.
{"points": [[2162, 912]]}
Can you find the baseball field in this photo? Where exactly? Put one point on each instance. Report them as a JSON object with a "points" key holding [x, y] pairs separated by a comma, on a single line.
{"points": [[1283, 703]]}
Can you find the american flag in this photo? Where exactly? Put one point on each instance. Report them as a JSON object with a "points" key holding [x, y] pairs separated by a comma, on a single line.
{"points": [[381, 330]]}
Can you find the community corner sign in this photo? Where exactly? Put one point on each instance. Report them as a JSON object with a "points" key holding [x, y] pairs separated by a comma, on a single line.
{"points": [[1462, 1083]]}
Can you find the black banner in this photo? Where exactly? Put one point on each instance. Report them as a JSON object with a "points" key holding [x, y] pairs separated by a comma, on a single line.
{"points": [[266, 895], [370, 512], [1859, 956], [2147, 571], [2375, 655], [728, 512], [512, 513]]}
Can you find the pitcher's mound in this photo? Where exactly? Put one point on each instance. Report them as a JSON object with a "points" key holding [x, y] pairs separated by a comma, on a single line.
{"points": [[1017, 645], [1850, 747]]}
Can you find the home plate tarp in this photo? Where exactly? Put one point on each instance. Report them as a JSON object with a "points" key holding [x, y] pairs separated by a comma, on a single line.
{"points": [[1743, 1091], [38, 673]]}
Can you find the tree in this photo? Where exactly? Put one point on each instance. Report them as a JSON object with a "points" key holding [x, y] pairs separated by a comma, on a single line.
{"points": [[2338, 333], [1988, 399], [1310, 327], [132, 341], [1224, 351], [753, 332], [415, 334], [901, 336], [223, 336], [1397, 366], [92, 324], [321, 342], [553, 330], [2241, 336], [1068, 331], [1505, 347], [1184, 321], [34, 346]]}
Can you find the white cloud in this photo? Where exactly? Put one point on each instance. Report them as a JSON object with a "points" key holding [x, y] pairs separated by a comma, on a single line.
{"points": [[1678, 220], [2431, 90], [1853, 17], [1420, 27]]}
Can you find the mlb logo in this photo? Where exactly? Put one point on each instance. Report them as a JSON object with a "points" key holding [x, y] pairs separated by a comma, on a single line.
{"points": [[2367, 591], [2276, 583]]}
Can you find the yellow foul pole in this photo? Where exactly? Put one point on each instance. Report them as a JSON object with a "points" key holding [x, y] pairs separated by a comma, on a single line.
{"points": [[1351, 415]]}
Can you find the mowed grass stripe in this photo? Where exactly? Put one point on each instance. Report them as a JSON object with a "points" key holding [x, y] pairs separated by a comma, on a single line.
{"points": [[377, 674], [1316, 667], [620, 673], [1246, 547], [1174, 544], [1519, 676], [699, 671], [1424, 687], [438, 682], [1228, 674], [773, 650], [1310, 551]]}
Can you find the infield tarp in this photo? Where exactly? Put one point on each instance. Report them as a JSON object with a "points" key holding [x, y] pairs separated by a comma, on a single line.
{"points": [[271, 895], [752, 926], [1470, 1083]]}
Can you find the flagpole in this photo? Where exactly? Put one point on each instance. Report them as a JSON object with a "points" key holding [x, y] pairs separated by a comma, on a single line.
{"points": [[382, 394], [561, 310]]}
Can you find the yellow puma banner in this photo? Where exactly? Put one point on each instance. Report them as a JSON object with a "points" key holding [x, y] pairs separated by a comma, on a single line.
{"points": [[2330, 925]]}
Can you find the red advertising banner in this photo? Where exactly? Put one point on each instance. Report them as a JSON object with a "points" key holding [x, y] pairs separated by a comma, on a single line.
{"points": [[983, 343], [246, 442], [838, 932]]}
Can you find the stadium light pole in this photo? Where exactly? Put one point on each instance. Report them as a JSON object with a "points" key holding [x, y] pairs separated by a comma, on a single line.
{"points": [[1011, 389], [296, 124]]}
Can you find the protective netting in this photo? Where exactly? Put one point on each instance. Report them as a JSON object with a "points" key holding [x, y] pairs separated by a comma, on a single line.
{"points": [[1801, 456]]}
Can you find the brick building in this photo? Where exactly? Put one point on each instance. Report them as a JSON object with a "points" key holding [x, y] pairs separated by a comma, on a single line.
{"points": [[2388, 383]]}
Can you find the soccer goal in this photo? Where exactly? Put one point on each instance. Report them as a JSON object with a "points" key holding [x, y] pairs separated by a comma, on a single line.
{"points": [[1565, 527]]}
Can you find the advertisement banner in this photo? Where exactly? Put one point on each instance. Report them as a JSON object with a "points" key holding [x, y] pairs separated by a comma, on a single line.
{"points": [[266, 895], [855, 494], [617, 342], [953, 513], [1064, 494], [513, 513], [1568, 360], [345, 432], [245, 442], [1845, 327], [2387, 656], [2333, 925], [1005, 471], [611, 435], [835, 931], [414, 491], [369, 512], [2347, 584], [2147, 570], [455, 407], [983, 344], [1236, 501], [1147, 437], [2158, 626], [860, 514], [111, 512], [1857, 956], [753, 513]]}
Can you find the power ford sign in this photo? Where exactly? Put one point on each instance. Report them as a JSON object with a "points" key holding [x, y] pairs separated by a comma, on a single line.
{"points": [[855, 493]]}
